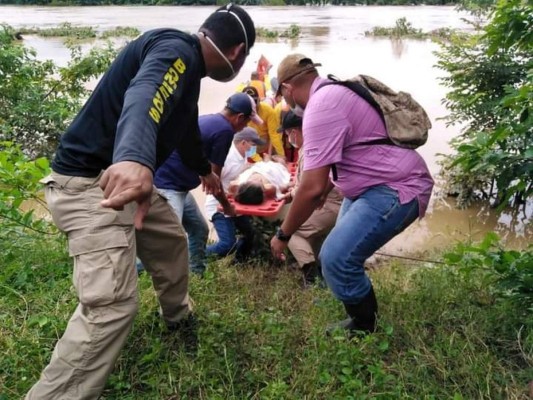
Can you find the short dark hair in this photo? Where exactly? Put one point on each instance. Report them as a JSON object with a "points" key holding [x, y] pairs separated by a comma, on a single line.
{"points": [[227, 30], [249, 193], [252, 92]]}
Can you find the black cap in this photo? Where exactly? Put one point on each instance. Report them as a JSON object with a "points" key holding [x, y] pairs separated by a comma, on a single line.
{"points": [[290, 120]]}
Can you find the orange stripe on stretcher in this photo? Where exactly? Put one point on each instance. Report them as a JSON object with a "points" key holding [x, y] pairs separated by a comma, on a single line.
{"points": [[268, 208]]}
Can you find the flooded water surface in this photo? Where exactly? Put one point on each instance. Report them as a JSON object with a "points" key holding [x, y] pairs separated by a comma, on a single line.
{"points": [[333, 36]]}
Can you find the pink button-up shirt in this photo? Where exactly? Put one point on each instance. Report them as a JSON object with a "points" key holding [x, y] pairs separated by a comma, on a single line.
{"points": [[336, 122]]}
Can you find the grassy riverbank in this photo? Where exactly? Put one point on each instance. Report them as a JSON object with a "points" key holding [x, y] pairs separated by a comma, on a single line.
{"points": [[442, 335]]}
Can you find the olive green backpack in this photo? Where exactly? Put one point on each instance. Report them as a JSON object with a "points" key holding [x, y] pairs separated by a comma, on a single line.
{"points": [[406, 121]]}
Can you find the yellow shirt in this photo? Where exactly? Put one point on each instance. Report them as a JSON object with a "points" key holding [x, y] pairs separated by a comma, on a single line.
{"points": [[268, 131], [259, 86]]}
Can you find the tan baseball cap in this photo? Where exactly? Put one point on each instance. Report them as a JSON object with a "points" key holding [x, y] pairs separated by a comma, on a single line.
{"points": [[293, 65]]}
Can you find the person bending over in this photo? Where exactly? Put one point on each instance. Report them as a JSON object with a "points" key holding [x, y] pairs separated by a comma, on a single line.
{"points": [[306, 242], [101, 195], [385, 187]]}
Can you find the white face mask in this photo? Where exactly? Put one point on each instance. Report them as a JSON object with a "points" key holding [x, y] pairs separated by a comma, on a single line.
{"points": [[251, 151], [298, 110], [233, 73], [292, 141]]}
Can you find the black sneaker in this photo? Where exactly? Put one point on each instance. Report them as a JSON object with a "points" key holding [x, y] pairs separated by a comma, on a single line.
{"points": [[350, 327], [198, 270], [312, 275], [187, 329]]}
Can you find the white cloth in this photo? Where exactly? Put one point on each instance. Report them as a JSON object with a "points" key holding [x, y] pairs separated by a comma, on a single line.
{"points": [[233, 166], [276, 173]]}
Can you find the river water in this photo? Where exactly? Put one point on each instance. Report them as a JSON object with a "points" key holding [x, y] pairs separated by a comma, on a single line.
{"points": [[333, 36]]}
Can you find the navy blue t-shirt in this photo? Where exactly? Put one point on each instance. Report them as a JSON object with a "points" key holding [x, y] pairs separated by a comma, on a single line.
{"points": [[144, 107], [217, 134]]}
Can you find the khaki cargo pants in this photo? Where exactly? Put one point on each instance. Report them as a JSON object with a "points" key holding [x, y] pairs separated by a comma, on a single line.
{"points": [[306, 242], [104, 243]]}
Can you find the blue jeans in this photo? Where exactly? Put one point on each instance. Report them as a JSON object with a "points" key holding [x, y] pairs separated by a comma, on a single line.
{"points": [[363, 226], [194, 224], [226, 228]]}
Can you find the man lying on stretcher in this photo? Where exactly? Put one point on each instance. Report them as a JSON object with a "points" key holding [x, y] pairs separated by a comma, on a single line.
{"points": [[265, 179]]}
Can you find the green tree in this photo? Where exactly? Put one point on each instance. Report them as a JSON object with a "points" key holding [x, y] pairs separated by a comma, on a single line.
{"points": [[37, 98], [37, 101], [490, 80]]}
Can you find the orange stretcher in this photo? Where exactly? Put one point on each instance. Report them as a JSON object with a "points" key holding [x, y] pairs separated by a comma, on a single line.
{"points": [[268, 208]]}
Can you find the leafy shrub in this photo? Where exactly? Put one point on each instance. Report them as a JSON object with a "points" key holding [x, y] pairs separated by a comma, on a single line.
{"points": [[292, 32], [121, 31], [490, 77], [39, 99], [65, 29], [509, 272], [266, 33], [19, 184], [402, 28]]}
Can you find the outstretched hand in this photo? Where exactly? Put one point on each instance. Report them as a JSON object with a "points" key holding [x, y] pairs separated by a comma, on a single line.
{"points": [[211, 184], [124, 182]]}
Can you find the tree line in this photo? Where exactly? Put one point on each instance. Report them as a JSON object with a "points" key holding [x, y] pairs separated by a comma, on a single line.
{"points": [[217, 2]]}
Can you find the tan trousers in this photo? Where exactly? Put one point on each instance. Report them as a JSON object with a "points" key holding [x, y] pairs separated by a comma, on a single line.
{"points": [[103, 243], [306, 242]]}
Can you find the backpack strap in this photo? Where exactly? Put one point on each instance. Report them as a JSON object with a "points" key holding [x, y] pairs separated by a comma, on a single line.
{"points": [[356, 87], [365, 94]]}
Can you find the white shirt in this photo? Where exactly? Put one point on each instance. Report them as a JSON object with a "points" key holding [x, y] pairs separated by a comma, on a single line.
{"points": [[233, 166], [276, 173]]}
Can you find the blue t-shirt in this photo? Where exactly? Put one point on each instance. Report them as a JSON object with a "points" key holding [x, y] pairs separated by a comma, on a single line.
{"points": [[144, 107], [217, 135]]}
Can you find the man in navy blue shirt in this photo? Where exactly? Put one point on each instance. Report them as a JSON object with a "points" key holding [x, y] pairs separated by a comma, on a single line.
{"points": [[101, 195], [175, 180]]}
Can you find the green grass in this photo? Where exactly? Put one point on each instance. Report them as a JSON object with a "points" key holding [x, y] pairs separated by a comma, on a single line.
{"points": [[261, 336]]}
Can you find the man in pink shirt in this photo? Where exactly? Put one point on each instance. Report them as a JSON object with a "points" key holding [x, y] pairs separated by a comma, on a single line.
{"points": [[385, 187]]}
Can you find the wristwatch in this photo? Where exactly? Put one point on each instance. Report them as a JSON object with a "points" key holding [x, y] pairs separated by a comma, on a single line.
{"points": [[280, 235]]}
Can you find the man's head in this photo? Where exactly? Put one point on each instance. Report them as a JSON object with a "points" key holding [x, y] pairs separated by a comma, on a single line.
{"points": [[252, 92], [226, 37], [246, 139], [296, 73], [250, 193], [239, 110], [291, 125], [254, 76]]}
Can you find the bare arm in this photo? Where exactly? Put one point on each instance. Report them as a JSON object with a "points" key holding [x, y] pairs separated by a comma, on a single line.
{"points": [[221, 196], [307, 198]]}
